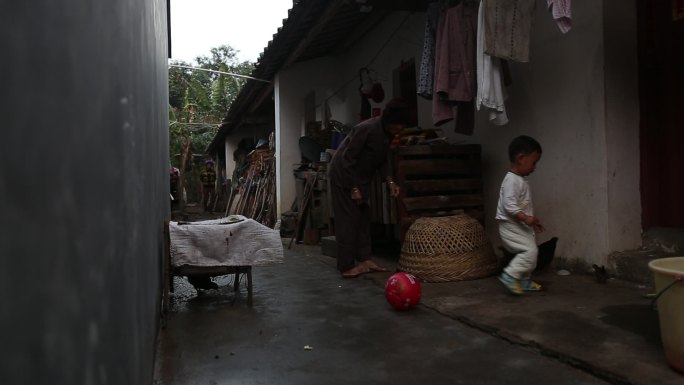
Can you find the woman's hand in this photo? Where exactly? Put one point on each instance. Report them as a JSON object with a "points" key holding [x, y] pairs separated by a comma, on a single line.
{"points": [[394, 189], [356, 195]]}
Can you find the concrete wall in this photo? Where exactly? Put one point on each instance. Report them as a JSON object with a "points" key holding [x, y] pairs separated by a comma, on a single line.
{"points": [[577, 96], [559, 98], [622, 125], [84, 171], [291, 88], [231, 145]]}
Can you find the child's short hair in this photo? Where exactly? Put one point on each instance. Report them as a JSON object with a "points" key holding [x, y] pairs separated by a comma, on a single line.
{"points": [[523, 144]]}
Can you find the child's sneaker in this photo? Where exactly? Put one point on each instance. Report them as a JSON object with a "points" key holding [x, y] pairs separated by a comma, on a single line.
{"points": [[512, 284], [530, 285]]}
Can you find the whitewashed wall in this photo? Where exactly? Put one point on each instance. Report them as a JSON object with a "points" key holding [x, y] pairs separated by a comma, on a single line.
{"points": [[577, 96], [232, 141], [231, 145], [622, 125], [585, 115], [291, 87]]}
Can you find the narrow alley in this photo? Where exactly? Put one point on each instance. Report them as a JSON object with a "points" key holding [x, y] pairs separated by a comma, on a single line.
{"points": [[309, 326]]}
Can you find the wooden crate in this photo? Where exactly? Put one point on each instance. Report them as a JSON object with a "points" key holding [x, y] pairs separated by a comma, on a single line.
{"points": [[438, 180]]}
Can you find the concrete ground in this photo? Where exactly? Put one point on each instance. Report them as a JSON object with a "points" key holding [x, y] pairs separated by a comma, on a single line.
{"points": [[473, 332]]}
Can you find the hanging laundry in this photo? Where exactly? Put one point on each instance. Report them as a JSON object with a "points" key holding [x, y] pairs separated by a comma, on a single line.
{"points": [[455, 79], [441, 110], [490, 90], [561, 12], [508, 25], [427, 62]]}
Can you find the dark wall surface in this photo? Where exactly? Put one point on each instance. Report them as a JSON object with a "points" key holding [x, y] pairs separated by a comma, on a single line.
{"points": [[83, 189]]}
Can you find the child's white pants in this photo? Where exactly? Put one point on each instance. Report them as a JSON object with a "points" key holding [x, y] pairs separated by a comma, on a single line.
{"points": [[520, 239]]}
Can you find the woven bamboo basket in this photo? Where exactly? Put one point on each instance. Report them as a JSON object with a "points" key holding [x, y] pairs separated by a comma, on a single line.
{"points": [[444, 249]]}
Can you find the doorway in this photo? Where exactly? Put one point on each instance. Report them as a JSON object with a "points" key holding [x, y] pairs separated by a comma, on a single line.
{"points": [[661, 88]]}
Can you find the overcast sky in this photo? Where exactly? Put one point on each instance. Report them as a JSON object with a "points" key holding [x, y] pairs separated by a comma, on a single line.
{"points": [[246, 25]]}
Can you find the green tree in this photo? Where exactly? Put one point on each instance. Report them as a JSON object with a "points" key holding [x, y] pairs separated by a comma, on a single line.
{"points": [[223, 88], [198, 102]]}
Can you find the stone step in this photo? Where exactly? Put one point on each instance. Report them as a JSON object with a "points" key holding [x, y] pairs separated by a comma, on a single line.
{"points": [[667, 239], [658, 242], [632, 265]]}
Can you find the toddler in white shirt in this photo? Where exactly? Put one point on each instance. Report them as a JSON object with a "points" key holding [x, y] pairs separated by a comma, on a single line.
{"points": [[515, 214]]}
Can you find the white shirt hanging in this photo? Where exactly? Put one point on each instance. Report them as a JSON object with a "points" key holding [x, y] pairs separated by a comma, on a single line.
{"points": [[490, 90]]}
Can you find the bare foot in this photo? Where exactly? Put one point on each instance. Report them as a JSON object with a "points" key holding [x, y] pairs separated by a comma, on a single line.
{"points": [[356, 271]]}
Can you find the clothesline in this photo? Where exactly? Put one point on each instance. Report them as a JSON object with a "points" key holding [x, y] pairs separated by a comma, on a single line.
{"points": [[220, 72], [194, 124]]}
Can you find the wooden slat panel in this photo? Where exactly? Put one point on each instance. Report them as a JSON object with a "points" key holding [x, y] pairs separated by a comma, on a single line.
{"points": [[443, 202], [438, 179], [426, 167], [423, 187], [439, 150]]}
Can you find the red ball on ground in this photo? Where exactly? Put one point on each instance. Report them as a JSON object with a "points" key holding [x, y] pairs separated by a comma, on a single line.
{"points": [[402, 291]]}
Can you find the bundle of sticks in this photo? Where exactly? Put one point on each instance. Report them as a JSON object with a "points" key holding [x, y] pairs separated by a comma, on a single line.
{"points": [[255, 194]]}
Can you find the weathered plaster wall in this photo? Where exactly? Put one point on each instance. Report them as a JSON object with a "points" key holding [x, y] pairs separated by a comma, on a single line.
{"points": [[577, 96], [559, 99], [231, 144], [85, 188], [292, 85], [622, 125]]}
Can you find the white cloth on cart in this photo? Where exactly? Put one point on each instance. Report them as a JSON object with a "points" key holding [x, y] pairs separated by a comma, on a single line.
{"points": [[219, 242]]}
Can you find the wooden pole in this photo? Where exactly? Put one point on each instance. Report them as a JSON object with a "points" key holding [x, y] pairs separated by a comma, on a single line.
{"points": [[308, 193], [216, 183], [230, 198]]}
